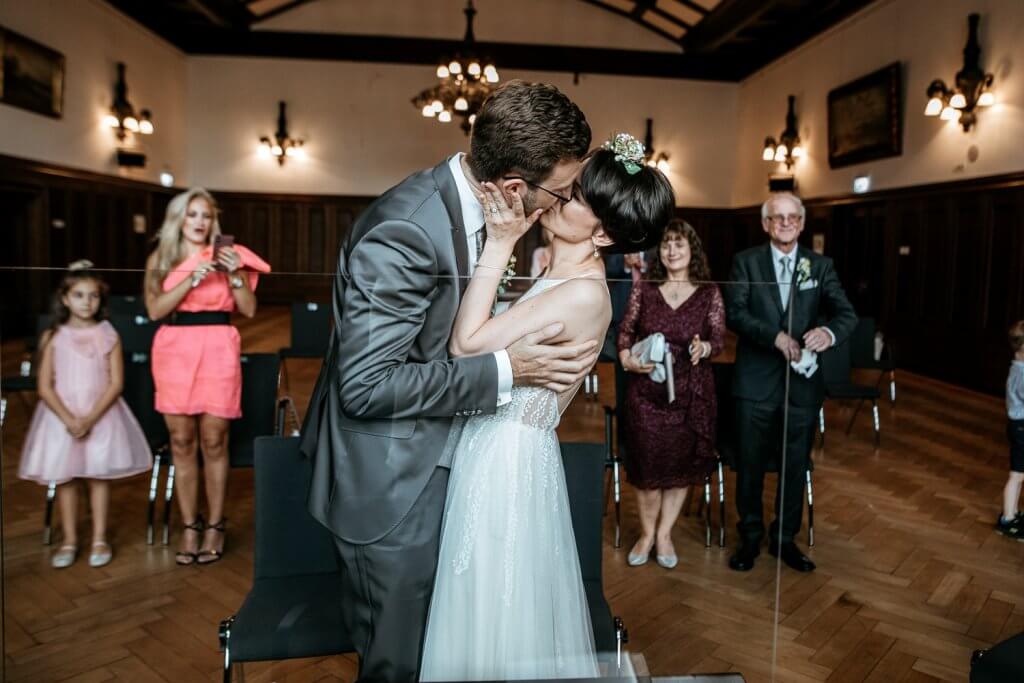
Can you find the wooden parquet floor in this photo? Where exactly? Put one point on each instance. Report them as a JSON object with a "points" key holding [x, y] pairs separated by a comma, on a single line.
{"points": [[911, 577]]}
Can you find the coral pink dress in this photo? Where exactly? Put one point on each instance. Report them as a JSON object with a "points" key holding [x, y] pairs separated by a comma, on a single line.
{"points": [[115, 447], [197, 368]]}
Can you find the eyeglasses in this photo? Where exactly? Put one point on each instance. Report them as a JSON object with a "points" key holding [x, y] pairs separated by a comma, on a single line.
{"points": [[560, 198], [779, 218]]}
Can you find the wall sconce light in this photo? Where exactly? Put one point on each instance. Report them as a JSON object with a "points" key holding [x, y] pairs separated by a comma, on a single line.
{"points": [[972, 86], [122, 116], [282, 146], [789, 148], [658, 160]]}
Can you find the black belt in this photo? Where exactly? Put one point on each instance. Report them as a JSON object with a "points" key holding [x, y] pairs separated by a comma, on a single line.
{"points": [[200, 318]]}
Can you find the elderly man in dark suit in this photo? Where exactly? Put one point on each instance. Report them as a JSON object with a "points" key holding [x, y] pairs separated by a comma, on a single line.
{"points": [[781, 294], [380, 426]]}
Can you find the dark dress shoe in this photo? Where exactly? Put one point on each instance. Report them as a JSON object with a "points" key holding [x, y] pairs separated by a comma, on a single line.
{"points": [[743, 560], [792, 556]]}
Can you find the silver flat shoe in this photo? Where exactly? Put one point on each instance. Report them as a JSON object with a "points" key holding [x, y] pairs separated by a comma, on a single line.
{"points": [[636, 559], [64, 557], [667, 561], [101, 554]]}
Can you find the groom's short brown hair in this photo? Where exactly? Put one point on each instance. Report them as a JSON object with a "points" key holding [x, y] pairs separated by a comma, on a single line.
{"points": [[526, 129]]}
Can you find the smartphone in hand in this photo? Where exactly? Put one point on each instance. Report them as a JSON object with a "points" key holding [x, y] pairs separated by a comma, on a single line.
{"points": [[219, 242]]}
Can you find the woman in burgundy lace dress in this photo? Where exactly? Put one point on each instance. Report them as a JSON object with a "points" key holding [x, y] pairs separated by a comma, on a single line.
{"points": [[671, 446]]}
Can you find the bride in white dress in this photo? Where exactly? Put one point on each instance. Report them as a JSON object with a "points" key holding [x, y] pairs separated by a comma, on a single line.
{"points": [[508, 599]]}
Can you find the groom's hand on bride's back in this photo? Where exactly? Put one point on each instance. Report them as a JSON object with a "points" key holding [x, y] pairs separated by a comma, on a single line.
{"points": [[537, 360]]}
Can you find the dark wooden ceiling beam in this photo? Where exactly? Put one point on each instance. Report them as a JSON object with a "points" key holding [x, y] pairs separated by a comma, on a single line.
{"points": [[394, 50], [228, 14], [726, 21], [281, 9], [635, 19]]}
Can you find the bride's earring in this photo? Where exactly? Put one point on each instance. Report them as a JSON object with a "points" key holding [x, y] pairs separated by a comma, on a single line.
{"points": [[597, 252]]}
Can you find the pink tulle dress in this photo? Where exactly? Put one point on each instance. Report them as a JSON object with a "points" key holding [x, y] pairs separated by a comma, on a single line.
{"points": [[115, 447], [197, 368]]}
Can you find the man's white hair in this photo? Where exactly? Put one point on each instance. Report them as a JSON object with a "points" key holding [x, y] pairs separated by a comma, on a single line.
{"points": [[782, 195]]}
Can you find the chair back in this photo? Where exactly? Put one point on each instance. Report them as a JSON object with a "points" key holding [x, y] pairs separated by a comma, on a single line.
{"points": [[259, 406], [126, 305], [726, 442], [289, 542], [139, 393], [311, 327], [835, 364], [584, 478], [136, 331], [862, 344]]}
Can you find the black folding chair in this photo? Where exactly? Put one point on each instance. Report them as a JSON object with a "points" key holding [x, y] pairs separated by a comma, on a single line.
{"points": [[862, 354], [835, 364], [136, 331], [259, 406], [126, 305], [25, 381], [310, 333], [294, 606], [613, 462], [584, 472], [139, 394]]}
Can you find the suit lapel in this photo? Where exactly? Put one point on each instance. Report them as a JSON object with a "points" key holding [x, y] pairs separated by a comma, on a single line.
{"points": [[450, 197], [769, 275]]}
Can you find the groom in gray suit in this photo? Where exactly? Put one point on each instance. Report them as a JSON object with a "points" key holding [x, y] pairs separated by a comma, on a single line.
{"points": [[380, 425]]}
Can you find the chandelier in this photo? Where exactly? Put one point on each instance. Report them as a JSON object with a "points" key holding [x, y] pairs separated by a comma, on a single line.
{"points": [[971, 89], [463, 84], [789, 147], [122, 117]]}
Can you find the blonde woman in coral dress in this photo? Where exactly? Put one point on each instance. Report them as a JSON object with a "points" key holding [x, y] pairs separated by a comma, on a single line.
{"points": [[196, 357]]}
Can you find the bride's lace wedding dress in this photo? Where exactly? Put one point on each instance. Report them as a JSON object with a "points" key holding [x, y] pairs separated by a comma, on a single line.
{"points": [[508, 599]]}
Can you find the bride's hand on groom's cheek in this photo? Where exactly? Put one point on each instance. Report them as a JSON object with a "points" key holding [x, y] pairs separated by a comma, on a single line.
{"points": [[506, 220], [537, 362]]}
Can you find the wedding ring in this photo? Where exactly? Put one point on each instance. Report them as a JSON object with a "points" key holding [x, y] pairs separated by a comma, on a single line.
{"points": [[494, 209]]}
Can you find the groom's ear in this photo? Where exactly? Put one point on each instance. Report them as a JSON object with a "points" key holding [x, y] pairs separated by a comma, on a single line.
{"points": [[511, 186]]}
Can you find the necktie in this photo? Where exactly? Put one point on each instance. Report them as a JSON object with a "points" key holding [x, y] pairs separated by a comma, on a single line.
{"points": [[785, 280]]}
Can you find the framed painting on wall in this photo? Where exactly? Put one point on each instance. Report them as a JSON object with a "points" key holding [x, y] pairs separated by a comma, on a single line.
{"points": [[864, 119], [32, 75]]}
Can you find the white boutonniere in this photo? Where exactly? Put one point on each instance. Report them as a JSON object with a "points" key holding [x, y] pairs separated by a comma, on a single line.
{"points": [[803, 275], [510, 272]]}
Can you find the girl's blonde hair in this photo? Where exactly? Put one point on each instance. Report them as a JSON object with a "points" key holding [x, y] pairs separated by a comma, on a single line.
{"points": [[170, 250]]}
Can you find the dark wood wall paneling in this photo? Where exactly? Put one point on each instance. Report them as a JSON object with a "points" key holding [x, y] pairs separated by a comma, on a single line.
{"points": [[945, 304]]}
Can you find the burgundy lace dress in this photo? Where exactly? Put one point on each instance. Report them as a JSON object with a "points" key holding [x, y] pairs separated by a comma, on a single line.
{"points": [[671, 445]]}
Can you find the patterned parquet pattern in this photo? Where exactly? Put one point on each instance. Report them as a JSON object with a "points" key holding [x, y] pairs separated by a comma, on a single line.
{"points": [[911, 578]]}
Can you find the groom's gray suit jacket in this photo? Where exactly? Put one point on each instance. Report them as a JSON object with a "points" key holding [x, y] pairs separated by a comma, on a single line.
{"points": [[379, 419]]}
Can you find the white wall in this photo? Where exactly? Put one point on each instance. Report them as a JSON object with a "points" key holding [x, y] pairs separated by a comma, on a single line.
{"points": [[928, 37], [93, 38], [363, 134]]}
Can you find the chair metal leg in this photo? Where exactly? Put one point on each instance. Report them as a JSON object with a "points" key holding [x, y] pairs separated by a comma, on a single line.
{"points": [[810, 509], [707, 511], [821, 423], [51, 492], [154, 483], [617, 484], [721, 506], [892, 386], [3, 411], [611, 459], [168, 497], [621, 638], [877, 423], [283, 380], [224, 634], [853, 417]]}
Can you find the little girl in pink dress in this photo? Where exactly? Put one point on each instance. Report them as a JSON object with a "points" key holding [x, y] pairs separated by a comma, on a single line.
{"points": [[82, 428]]}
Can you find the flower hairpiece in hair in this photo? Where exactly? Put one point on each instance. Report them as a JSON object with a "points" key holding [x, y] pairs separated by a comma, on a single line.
{"points": [[628, 150], [81, 264]]}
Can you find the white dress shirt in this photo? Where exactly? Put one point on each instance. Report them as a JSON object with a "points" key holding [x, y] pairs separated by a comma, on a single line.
{"points": [[473, 220], [785, 280]]}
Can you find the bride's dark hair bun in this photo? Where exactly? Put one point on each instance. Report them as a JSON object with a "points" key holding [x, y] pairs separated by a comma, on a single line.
{"points": [[633, 208]]}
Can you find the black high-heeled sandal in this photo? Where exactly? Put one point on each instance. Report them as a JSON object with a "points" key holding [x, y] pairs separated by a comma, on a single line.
{"points": [[213, 555], [183, 558]]}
